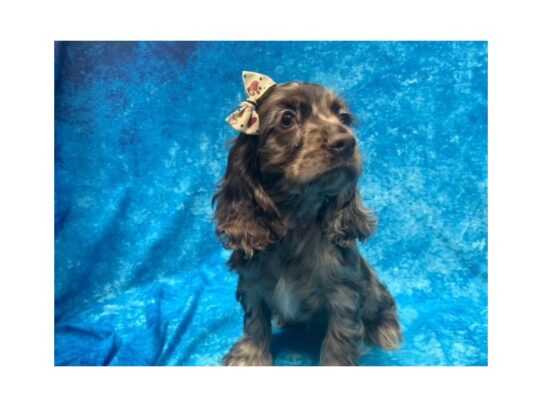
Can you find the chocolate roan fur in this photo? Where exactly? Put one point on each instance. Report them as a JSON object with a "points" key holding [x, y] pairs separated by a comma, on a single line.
{"points": [[289, 208]]}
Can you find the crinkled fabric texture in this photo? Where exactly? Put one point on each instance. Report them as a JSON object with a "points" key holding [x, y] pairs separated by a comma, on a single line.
{"points": [[141, 142]]}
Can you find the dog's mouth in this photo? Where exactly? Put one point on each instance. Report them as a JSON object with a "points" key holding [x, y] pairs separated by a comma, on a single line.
{"points": [[333, 180], [325, 183]]}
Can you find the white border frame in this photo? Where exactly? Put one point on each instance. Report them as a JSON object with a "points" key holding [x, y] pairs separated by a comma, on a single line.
{"points": [[28, 31]]}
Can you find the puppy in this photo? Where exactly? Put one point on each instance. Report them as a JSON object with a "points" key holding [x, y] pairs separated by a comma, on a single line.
{"points": [[289, 208]]}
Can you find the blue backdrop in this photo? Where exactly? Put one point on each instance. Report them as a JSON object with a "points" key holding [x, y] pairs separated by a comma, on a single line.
{"points": [[140, 143]]}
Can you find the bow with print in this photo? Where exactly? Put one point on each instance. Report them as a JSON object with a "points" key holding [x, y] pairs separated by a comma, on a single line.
{"points": [[246, 119]]}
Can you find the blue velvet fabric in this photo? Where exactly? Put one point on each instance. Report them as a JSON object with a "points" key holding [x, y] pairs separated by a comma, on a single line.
{"points": [[140, 143]]}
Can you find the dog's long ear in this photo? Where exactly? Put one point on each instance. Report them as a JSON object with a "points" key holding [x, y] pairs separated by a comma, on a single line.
{"points": [[350, 220], [247, 219]]}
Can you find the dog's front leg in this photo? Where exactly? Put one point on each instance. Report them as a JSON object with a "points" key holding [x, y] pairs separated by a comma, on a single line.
{"points": [[345, 331], [254, 348]]}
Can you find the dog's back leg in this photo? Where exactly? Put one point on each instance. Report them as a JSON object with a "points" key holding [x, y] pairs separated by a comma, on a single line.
{"points": [[379, 314]]}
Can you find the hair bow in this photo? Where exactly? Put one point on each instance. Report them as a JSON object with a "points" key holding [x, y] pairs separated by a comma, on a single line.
{"points": [[246, 119]]}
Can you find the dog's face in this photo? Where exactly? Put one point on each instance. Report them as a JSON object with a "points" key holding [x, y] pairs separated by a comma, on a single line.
{"points": [[306, 138]]}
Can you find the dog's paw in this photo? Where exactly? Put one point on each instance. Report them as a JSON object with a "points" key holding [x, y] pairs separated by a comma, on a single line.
{"points": [[247, 353]]}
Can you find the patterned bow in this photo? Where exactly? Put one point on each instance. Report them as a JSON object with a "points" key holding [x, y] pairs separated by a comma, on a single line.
{"points": [[246, 119]]}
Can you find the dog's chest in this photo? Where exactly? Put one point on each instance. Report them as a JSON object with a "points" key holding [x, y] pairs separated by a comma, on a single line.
{"points": [[300, 266], [286, 301]]}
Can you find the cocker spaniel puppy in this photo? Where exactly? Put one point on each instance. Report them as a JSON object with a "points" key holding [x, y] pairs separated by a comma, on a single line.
{"points": [[289, 208]]}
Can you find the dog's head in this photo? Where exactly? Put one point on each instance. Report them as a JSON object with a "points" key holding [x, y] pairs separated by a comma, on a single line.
{"points": [[306, 138], [306, 141], [304, 163]]}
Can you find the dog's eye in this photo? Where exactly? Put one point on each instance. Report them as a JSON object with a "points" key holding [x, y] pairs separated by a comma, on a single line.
{"points": [[288, 120], [345, 119]]}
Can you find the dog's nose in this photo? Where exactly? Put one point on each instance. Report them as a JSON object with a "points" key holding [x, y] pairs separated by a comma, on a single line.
{"points": [[342, 143]]}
